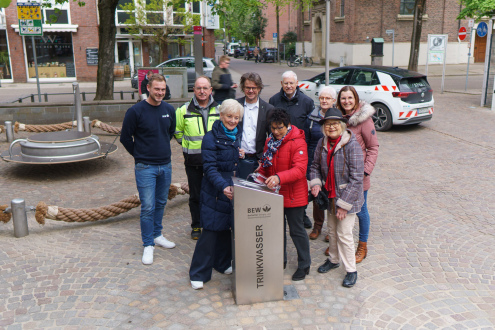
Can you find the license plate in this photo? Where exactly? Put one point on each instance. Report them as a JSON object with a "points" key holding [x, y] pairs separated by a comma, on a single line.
{"points": [[422, 111]]}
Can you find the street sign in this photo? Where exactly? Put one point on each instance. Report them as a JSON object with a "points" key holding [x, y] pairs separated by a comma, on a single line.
{"points": [[275, 35], [30, 19], [462, 33], [482, 29], [471, 23], [389, 32]]}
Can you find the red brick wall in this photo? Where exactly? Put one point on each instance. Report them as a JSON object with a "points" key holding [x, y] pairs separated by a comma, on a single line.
{"points": [[287, 20], [85, 37], [16, 46]]}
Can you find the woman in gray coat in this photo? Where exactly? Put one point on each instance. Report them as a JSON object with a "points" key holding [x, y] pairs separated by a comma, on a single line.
{"points": [[338, 169]]}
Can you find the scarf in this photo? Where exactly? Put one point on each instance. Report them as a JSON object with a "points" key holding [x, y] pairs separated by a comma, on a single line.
{"points": [[230, 133], [272, 148], [330, 182]]}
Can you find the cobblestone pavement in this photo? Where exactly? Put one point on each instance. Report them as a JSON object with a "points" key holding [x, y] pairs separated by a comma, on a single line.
{"points": [[429, 265]]}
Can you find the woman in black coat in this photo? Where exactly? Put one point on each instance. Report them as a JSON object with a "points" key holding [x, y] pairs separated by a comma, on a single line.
{"points": [[220, 150]]}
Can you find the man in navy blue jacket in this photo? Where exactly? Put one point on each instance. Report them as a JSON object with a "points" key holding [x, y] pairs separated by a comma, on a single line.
{"points": [[146, 132]]}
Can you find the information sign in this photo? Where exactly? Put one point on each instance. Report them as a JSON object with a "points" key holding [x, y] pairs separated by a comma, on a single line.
{"points": [[30, 19], [92, 56], [482, 29]]}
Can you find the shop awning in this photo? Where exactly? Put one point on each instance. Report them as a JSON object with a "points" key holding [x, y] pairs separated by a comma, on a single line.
{"points": [[53, 27]]}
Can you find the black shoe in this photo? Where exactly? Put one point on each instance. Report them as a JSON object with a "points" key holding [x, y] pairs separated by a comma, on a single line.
{"points": [[300, 274], [327, 266], [350, 279], [196, 233], [307, 222]]}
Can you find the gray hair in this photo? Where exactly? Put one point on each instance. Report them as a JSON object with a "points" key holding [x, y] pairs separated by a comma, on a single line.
{"points": [[231, 106], [330, 90], [289, 74], [342, 124]]}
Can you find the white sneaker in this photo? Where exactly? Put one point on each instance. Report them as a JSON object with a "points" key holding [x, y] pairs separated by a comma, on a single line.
{"points": [[196, 285], [162, 241], [228, 271], [148, 255]]}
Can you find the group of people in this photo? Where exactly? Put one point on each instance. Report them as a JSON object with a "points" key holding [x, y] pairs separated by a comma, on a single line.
{"points": [[288, 140]]}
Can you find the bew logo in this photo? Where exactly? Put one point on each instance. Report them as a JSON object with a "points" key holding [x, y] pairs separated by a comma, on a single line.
{"points": [[165, 116], [51, 39], [267, 208]]}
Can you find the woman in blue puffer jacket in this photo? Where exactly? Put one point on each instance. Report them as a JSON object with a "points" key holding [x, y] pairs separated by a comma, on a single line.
{"points": [[220, 150]]}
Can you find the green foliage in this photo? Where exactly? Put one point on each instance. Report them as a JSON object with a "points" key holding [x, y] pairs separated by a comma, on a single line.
{"points": [[289, 37], [477, 9], [242, 19], [5, 3]]}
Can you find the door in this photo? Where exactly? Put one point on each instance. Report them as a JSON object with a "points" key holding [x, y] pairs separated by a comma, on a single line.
{"points": [[479, 48]]}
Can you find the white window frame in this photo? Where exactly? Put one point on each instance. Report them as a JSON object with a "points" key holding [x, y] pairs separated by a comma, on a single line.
{"points": [[64, 6]]}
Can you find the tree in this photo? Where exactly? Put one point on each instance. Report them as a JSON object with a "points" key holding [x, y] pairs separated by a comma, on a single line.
{"points": [[258, 25], [240, 18], [419, 8], [477, 9]]}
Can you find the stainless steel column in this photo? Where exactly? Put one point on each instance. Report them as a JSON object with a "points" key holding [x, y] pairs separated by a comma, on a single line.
{"points": [[78, 106], [9, 130], [19, 218], [87, 124], [258, 244]]}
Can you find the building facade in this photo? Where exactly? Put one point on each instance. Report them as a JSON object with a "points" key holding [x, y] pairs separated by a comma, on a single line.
{"points": [[67, 51], [353, 23]]}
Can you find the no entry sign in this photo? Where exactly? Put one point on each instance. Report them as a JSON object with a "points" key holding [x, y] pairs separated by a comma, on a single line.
{"points": [[462, 33]]}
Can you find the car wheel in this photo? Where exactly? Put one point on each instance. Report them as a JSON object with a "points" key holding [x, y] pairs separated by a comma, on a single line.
{"points": [[382, 117]]}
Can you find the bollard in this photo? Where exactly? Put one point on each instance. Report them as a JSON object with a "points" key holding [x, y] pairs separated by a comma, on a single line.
{"points": [[78, 106], [9, 130], [87, 124], [19, 218]]}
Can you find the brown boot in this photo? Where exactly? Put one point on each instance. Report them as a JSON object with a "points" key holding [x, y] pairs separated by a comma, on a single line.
{"points": [[361, 252], [327, 238], [327, 251], [315, 233]]}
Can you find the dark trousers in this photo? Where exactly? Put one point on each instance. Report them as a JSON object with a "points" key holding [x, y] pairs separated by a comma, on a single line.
{"points": [[213, 251], [247, 166], [318, 216], [194, 179], [294, 218]]}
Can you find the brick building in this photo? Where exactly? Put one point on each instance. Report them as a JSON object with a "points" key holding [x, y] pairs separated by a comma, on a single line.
{"points": [[353, 23], [63, 52]]}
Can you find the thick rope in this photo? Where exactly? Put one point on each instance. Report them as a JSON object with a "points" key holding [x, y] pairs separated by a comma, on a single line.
{"points": [[2, 129], [43, 128], [4, 217], [105, 127], [44, 211]]}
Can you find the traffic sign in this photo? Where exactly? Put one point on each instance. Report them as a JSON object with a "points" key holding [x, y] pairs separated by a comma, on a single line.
{"points": [[471, 23], [482, 29], [462, 33], [30, 19]]}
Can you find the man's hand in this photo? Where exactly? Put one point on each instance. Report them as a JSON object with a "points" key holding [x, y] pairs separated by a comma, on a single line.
{"points": [[341, 213], [228, 192], [315, 190]]}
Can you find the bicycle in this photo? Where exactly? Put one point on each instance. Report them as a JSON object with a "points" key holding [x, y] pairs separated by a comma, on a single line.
{"points": [[296, 60]]}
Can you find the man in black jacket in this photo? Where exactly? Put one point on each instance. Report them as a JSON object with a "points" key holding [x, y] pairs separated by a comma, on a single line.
{"points": [[221, 81], [144, 84], [253, 124], [298, 105]]}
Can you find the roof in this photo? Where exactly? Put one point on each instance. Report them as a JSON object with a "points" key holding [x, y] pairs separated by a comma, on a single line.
{"points": [[395, 71]]}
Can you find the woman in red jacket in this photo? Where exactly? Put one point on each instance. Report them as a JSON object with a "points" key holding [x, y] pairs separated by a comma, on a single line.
{"points": [[284, 162]]}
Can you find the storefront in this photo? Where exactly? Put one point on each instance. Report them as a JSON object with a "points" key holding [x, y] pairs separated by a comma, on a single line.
{"points": [[5, 65], [128, 53]]}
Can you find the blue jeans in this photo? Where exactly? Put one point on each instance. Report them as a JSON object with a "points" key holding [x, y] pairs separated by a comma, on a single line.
{"points": [[364, 220], [153, 183]]}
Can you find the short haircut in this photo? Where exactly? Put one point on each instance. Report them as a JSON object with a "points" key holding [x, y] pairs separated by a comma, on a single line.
{"points": [[231, 106], [224, 58], [356, 97], [205, 77], [342, 124], [330, 90], [253, 77], [149, 71], [156, 77], [289, 74], [278, 115]]}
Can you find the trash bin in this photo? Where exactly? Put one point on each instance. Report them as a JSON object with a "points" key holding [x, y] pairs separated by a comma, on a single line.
{"points": [[377, 51], [258, 244]]}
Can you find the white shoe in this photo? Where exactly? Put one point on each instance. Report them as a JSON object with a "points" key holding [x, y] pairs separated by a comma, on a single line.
{"points": [[162, 241], [228, 271], [148, 255], [196, 285]]}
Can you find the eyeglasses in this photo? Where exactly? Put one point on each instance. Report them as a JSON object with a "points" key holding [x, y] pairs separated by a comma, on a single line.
{"points": [[334, 124], [250, 88], [326, 98], [202, 88]]}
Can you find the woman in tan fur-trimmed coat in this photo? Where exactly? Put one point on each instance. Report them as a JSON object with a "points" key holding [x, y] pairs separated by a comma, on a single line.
{"points": [[360, 122]]}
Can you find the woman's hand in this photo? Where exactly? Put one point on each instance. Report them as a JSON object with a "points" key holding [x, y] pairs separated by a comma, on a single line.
{"points": [[242, 153], [341, 213], [228, 192], [272, 181], [315, 190]]}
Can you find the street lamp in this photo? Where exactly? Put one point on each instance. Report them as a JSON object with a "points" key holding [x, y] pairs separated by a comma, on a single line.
{"points": [[327, 43]]}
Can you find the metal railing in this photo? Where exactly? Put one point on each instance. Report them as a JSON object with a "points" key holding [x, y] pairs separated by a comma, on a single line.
{"points": [[83, 94]]}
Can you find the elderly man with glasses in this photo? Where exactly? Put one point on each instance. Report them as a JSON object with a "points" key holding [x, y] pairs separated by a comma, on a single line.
{"points": [[194, 119], [253, 124]]}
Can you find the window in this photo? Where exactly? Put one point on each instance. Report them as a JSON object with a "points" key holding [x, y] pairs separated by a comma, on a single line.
{"points": [[179, 11], [407, 7], [122, 14], [55, 13], [172, 64], [342, 6], [338, 76], [364, 78], [5, 69], [154, 12], [192, 64]]}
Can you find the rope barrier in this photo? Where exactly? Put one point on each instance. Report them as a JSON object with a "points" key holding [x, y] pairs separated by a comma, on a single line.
{"points": [[2, 128], [44, 128], [105, 127], [4, 217]]}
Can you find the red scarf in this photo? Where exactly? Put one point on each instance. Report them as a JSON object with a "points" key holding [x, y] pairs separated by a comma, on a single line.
{"points": [[330, 183]]}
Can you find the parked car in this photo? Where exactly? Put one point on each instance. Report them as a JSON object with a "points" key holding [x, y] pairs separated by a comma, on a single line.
{"points": [[248, 53], [268, 54], [231, 48], [238, 52], [400, 97], [184, 62]]}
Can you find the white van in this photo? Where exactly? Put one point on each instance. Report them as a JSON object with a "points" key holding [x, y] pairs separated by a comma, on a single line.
{"points": [[231, 48]]}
